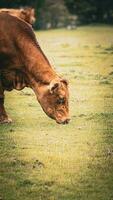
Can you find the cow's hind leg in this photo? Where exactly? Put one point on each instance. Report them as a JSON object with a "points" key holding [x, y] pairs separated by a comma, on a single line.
{"points": [[3, 115]]}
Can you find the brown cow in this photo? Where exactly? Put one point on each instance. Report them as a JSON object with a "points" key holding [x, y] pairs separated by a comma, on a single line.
{"points": [[23, 64], [26, 14]]}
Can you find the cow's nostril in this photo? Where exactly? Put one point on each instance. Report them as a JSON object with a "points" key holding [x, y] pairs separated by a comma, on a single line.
{"points": [[66, 121]]}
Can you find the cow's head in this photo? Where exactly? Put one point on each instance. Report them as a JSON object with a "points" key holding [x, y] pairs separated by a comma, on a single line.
{"points": [[54, 100], [28, 14]]}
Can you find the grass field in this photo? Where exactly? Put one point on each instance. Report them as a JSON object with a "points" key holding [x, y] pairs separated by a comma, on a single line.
{"points": [[41, 160]]}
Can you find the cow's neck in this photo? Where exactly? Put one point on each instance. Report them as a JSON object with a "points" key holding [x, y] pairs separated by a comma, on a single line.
{"points": [[37, 64], [37, 67]]}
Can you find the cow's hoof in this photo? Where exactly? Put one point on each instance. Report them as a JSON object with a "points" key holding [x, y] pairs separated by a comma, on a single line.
{"points": [[5, 121]]}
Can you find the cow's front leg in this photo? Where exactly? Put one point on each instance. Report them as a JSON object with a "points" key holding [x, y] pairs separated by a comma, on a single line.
{"points": [[3, 115]]}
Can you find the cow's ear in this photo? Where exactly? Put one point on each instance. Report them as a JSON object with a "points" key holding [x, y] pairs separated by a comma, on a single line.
{"points": [[53, 86], [23, 11], [65, 82]]}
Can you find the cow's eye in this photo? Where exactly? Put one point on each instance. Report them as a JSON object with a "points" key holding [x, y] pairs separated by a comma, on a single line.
{"points": [[61, 101]]}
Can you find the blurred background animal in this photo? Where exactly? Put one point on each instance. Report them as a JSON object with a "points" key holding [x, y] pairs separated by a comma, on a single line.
{"points": [[27, 14]]}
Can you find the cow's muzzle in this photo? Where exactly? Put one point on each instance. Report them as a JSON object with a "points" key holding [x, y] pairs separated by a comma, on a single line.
{"points": [[66, 121]]}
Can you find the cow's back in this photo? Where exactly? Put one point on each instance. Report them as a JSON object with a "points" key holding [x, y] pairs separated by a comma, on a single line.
{"points": [[26, 14]]}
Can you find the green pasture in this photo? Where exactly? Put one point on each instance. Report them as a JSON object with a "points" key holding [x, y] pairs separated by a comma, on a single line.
{"points": [[42, 160]]}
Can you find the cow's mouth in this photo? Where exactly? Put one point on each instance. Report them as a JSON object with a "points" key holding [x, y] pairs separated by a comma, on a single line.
{"points": [[66, 121], [60, 121]]}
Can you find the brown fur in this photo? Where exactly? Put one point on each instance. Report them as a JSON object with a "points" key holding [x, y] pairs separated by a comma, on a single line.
{"points": [[26, 14], [23, 64]]}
